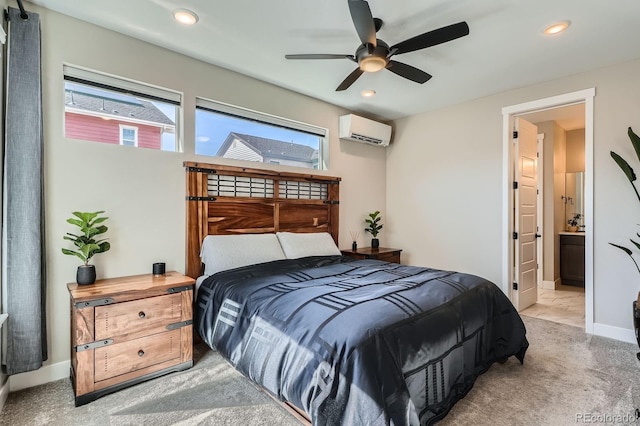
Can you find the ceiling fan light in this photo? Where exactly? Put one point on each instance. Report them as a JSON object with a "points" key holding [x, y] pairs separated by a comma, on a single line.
{"points": [[372, 64], [369, 93], [556, 28], [185, 16]]}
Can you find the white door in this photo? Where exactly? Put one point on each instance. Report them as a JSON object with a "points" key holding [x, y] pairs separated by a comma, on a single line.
{"points": [[525, 292]]}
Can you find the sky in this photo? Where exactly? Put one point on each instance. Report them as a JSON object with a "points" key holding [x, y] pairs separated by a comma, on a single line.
{"points": [[212, 129]]}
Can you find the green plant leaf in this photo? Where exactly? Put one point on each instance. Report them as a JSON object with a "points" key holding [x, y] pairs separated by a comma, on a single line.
{"points": [[90, 225], [104, 246], [626, 168], [93, 231], [74, 253], [624, 249], [635, 141], [629, 252], [76, 222]]}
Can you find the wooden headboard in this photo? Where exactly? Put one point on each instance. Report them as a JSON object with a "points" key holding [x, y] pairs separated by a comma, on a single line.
{"points": [[226, 200]]}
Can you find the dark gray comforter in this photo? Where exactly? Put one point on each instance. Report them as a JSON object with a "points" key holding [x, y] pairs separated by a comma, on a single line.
{"points": [[359, 342]]}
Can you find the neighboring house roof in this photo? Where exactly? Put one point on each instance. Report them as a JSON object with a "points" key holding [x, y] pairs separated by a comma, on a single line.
{"points": [[272, 148], [119, 106]]}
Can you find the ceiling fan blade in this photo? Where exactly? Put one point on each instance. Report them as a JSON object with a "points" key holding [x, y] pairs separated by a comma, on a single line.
{"points": [[432, 38], [363, 21], [408, 72], [320, 56], [351, 78]]}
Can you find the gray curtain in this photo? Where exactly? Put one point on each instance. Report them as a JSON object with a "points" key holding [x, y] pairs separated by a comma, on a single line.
{"points": [[23, 208]]}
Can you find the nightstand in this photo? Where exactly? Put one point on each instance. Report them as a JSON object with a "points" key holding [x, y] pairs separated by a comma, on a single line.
{"points": [[129, 329], [380, 253]]}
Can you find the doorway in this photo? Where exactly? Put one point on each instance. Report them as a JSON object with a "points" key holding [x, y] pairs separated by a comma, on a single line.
{"points": [[550, 107]]}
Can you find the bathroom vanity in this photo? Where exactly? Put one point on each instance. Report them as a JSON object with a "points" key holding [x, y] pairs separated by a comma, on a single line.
{"points": [[572, 258]]}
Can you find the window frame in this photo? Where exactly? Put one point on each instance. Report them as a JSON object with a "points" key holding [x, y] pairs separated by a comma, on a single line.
{"points": [[124, 127], [149, 92], [218, 107]]}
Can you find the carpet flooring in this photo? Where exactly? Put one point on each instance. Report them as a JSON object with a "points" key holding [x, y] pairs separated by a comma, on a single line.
{"points": [[568, 378]]}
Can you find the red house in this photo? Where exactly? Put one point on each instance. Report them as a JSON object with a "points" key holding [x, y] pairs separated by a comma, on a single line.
{"points": [[101, 116]]}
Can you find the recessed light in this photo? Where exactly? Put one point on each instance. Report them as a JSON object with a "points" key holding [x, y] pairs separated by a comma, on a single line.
{"points": [[556, 28], [185, 16], [368, 93]]}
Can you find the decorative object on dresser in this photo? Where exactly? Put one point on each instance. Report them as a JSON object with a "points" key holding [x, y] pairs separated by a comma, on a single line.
{"points": [[573, 222], [381, 253], [158, 268], [373, 227], [129, 329], [354, 238], [91, 225]]}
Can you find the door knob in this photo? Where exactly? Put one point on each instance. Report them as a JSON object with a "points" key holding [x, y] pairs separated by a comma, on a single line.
{"points": [[538, 235]]}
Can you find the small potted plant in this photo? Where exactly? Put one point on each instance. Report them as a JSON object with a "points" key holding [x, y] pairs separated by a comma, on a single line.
{"points": [[573, 222], [86, 243], [373, 227]]}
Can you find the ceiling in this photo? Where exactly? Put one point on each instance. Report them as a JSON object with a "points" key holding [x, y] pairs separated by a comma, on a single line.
{"points": [[569, 117], [506, 48]]}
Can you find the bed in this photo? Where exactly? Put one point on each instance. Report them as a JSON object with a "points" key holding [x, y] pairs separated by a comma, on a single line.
{"points": [[342, 341]]}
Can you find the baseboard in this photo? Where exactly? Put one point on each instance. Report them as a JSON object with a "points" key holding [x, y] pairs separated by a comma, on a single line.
{"points": [[4, 394], [548, 285], [617, 333], [46, 374]]}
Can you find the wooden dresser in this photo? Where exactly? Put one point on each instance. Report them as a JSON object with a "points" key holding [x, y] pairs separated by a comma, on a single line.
{"points": [[381, 253], [129, 329]]}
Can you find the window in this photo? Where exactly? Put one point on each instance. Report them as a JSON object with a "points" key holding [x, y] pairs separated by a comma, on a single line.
{"points": [[128, 135], [108, 109], [231, 132]]}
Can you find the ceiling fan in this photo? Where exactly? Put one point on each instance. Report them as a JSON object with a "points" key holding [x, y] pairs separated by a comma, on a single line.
{"points": [[374, 54]]}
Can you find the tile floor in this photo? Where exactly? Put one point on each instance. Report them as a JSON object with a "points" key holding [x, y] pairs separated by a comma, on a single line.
{"points": [[564, 305]]}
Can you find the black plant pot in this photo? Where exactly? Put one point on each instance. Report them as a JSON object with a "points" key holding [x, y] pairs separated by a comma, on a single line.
{"points": [[375, 243], [86, 274]]}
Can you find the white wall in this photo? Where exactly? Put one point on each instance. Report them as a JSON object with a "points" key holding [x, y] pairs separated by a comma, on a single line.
{"points": [[575, 151], [143, 190], [553, 205], [559, 189], [444, 180]]}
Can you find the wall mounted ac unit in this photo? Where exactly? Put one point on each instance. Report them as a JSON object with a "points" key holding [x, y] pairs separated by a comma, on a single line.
{"points": [[360, 129]]}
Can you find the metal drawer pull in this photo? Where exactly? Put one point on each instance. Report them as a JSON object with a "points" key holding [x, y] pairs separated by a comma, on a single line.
{"points": [[141, 314], [140, 352]]}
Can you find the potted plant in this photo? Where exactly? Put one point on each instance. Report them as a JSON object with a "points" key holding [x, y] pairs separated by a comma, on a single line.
{"points": [[573, 222], [373, 227], [631, 176], [86, 243]]}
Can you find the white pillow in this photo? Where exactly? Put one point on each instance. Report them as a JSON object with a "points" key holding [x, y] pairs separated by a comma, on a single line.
{"points": [[223, 252], [296, 245]]}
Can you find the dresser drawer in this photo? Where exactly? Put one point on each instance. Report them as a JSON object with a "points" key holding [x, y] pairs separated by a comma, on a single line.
{"points": [[132, 355], [138, 317], [388, 257]]}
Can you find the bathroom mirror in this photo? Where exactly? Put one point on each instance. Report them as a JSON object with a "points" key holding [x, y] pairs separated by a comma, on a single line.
{"points": [[574, 193]]}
